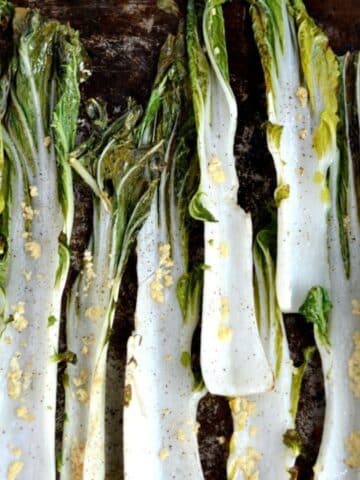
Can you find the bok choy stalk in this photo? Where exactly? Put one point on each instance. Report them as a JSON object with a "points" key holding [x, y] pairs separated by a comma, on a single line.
{"points": [[338, 329], [160, 428], [265, 443], [232, 357], [38, 132], [301, 76], [119, 174]]}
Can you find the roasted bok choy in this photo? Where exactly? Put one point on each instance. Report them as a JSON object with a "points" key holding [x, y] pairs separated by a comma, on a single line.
{"points": [[122, 181], [336, 314], [301, 76], [39, 111], [232, 357], [265, 442], [160, 428]]}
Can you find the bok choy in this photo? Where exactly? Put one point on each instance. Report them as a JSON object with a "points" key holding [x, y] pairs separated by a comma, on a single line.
{"points": [[265, 442], [119, 174], [301, 76], [39, 111], [232, 357], [160, 428], [338, 328]]}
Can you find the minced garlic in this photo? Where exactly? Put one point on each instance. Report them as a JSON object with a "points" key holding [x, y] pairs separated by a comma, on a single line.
{"points": [[248, 464], [355, 304], [354, 366], [164, 454], [77, 461], [302, 95], [353, 448], [224, 249], [224, 308], [34, 249], [34, 191], [216, 170], [24, 414], [14, 376], [20, 323], [224, 333], [162, 277], [242, 409], [14, 469], [94, 313]]}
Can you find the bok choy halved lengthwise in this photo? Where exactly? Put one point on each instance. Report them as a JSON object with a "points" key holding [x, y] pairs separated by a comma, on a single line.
{"points": [[232, 357], [160, 428], [265, 443], [119, 174], [338, 328], [301, 75], [38, 130]]}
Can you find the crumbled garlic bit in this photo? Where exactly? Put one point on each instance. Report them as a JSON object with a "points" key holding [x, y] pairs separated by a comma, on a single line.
{"points": [[168, 358], [196, 427], [47, 141], [94, 313], [299, 117], [20, 323], [242, 409], [252, 431], [303, 133], [23, 343], [318, 177], [224, 249], [81, 379], [164, 454], [27, 212], [213, 12], [216, 170], [353, 448], [77, 460], [14, 469], [8, 340], [82, 395], [34, 249], [165, 412], [162, 277], [27, 275], [34, 192], [248, 464], [217, 51], [302, 95], [17, 452], [355, 304], [26, 235], [90, 275], [225, 333], [87, 341], [354, 366], [180, 435], [14, 376], [224, 308], [24, 414], [300, 171], [221, 440]]}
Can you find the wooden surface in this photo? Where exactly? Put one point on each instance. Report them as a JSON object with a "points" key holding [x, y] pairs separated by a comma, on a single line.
{"points": [[123, 38]]}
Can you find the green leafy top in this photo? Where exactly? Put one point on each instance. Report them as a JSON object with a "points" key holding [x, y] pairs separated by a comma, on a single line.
{"points": [[321, 73], [268, 26], [316, 309], [42, 110]]}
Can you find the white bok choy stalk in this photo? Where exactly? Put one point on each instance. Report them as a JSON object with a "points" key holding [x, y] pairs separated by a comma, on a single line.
{"points": [[338, 328], [38, 131], [232, 356], [265, 442], [123, 183], [162, 394], [301, 76]]}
